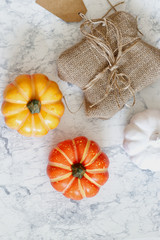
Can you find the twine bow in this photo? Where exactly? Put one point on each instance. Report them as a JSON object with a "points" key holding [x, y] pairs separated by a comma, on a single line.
{"points": [[117, 82]]}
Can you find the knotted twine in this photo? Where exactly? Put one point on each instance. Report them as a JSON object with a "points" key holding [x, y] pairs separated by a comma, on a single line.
{"points": [[81, 63], [117, 81]]}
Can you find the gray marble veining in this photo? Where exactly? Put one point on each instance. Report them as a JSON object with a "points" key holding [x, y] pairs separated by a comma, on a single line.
{"points": [[128, 206]]}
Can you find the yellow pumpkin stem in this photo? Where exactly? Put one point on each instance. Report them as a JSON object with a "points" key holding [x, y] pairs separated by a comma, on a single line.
{"points": [[34, 106]]}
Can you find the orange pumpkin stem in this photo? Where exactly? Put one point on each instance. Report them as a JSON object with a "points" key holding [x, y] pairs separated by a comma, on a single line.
{"points": [[34, 106], [78, 170]]}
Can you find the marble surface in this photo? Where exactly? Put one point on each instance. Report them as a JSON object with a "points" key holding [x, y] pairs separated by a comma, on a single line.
{"points": [[128, 206]]}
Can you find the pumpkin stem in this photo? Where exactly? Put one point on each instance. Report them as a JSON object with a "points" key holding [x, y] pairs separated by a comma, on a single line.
{"points": [[155, 140], [78, 170], [155, 137], [34, 106]]}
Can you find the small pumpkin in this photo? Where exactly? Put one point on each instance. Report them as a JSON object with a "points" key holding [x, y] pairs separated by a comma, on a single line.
{"points": [[142, 139], [32, 105], [78, 168]]}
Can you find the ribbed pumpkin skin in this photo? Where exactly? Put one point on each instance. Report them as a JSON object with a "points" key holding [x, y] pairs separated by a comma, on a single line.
{"points": [[17, 96], [65, 156]]}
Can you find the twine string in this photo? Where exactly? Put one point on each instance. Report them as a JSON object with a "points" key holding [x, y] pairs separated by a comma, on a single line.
{"points": [[72, 112], [117, 82], [112, 6]]}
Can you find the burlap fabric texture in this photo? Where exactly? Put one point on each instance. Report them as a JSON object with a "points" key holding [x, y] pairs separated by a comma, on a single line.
{"points": [[110, 81]]}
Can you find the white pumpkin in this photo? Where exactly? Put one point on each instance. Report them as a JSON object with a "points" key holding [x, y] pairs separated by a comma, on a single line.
{"points": [[142, 140]]}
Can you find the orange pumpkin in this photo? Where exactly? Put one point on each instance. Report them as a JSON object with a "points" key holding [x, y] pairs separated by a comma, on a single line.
{"points": [[78, 168], [32, 105]]}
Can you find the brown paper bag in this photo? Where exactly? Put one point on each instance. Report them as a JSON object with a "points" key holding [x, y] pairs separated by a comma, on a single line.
{"points": [[65, 9], [86, 66]]}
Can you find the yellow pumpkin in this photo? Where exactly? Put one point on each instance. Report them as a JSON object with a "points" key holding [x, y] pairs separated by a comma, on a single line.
{"points": [[32, 105]]}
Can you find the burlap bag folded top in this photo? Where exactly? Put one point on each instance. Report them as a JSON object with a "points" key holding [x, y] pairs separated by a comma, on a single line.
{"points": [[110, 64]]}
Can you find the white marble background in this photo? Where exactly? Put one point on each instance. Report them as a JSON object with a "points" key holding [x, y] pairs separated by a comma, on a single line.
{"points": [[128, 206]]}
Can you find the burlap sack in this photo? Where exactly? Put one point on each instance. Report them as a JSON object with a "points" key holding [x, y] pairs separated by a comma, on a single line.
{"points": [[81, 64]]}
